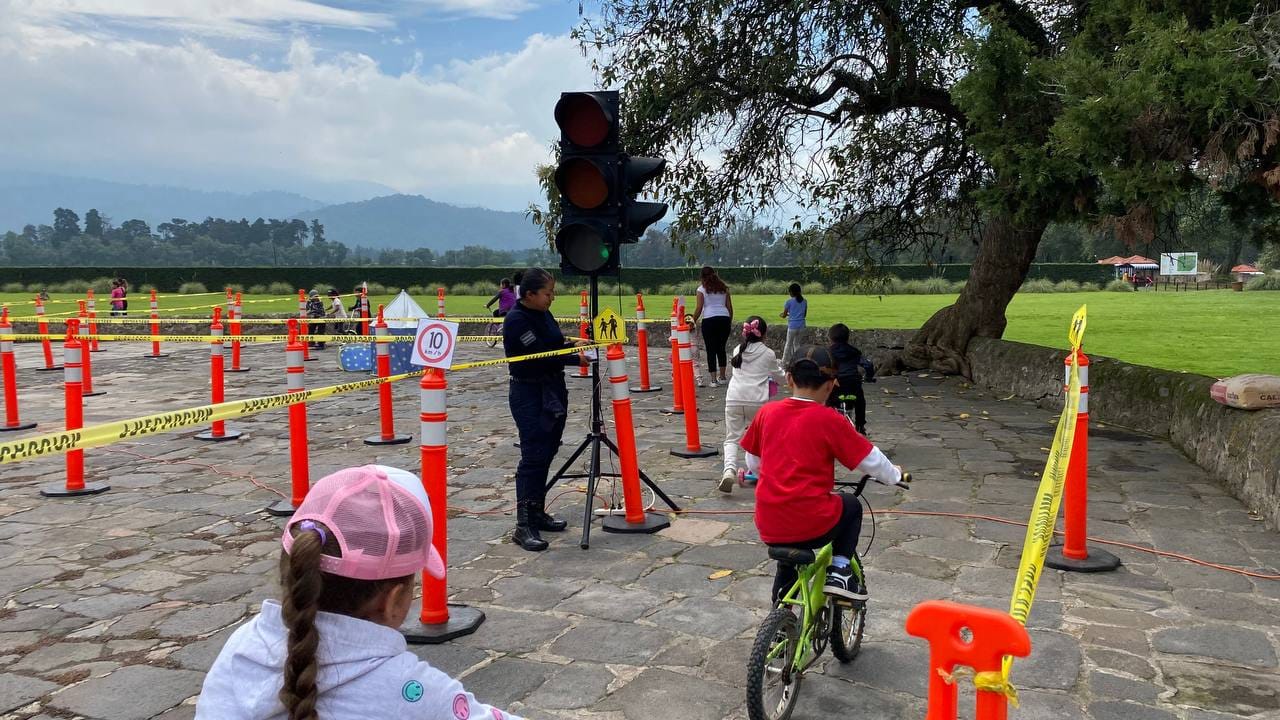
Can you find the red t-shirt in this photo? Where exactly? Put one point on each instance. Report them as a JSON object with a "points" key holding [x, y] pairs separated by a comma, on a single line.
{"points": [[798, 442]]}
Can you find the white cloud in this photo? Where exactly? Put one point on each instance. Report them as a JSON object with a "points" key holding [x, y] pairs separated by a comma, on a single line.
{"points": [[236, 18], [500, 9], [81, 104]]}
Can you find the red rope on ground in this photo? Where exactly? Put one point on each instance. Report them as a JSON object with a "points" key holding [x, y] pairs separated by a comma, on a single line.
{"points": [[1006, 521], [920, 513]]}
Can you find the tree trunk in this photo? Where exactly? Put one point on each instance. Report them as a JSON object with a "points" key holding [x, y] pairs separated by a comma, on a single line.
{"points": [[1005, 252]]}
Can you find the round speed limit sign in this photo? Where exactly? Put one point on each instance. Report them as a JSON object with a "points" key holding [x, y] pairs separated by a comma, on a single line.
{"points": [[434, 344]]}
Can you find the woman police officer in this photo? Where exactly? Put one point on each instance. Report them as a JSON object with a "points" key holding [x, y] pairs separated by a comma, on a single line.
{"points": [[539, 401]]}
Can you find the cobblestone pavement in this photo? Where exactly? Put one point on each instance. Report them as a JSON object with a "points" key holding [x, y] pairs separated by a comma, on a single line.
{"points": [[114, 605]]}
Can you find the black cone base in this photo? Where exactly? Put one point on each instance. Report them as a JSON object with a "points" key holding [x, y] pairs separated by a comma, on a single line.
{"points": [[1098, 561], [49, 369], [393, 440], [579, 377], [653, 522], [62, 491], [94, 394], [19, 426], [652, 388], [463, 620], [671, 411], [99, 350], [226, 435], [242, 369], [281, 508], [700, 452], [161, 356]]}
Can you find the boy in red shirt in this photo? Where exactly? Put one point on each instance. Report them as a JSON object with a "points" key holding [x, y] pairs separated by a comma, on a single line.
{"points": [[798, 441]]}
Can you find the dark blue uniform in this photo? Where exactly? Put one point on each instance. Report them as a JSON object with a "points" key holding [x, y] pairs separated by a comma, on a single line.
{"points": [[538, 397]]}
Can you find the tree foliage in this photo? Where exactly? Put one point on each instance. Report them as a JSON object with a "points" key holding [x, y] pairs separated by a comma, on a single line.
{"points": [[908, 123]]}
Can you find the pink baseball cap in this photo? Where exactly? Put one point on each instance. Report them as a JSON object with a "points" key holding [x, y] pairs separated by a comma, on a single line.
{"points": [[381, 519]]}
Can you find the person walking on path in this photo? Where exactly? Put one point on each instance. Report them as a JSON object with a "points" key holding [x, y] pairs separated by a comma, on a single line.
{"points": [[795, 310], [715, 309], [539, 401]]}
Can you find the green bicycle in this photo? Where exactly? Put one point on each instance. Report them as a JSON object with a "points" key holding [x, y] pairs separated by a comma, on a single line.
{"points": [[786, 645]]}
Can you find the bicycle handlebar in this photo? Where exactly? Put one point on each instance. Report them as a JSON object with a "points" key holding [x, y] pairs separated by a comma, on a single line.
{"points": [[859, 485]]}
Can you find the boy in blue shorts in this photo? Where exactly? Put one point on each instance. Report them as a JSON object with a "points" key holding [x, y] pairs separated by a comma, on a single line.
{"points": [[798, 440]]}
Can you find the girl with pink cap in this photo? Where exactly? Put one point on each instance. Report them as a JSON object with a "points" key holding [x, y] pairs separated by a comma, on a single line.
{"points": [[331, 648]]}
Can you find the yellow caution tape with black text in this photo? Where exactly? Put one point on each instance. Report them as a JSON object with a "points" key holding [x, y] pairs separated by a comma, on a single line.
{"points": [[106, 433], [1044, 511]]}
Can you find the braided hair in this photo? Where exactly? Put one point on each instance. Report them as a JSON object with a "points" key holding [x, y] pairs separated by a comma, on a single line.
{"points": [[307, 590]]}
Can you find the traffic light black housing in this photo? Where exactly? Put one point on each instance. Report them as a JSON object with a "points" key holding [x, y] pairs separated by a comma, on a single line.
{"points": [[598, 183]]}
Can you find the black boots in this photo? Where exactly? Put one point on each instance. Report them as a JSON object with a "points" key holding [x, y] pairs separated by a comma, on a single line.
{"points": [[526, 533], [542, 520]]}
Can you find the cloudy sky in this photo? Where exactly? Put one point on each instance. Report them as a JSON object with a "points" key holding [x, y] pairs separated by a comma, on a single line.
{"points": [[448, 98]]}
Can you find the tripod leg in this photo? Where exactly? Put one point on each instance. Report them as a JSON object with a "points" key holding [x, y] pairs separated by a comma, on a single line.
{"points": [[645, 478], [593, 476]]}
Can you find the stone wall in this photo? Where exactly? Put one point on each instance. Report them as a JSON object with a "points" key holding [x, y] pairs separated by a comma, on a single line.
{"points": [[1239, 447]]}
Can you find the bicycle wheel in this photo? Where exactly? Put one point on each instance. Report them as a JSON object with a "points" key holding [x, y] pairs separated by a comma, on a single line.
{"points": [[494, 330], [847, 625], [773, 684]]}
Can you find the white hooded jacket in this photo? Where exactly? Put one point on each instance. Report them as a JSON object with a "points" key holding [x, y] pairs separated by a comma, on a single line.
{"points": [[749, 384], [365, 671]]}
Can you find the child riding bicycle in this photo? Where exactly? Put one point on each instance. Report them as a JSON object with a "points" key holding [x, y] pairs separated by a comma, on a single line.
{"points": [[505, 297], [798, 441]]}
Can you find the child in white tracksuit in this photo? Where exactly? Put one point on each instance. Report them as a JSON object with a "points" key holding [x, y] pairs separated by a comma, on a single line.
{"points": [[332, 648], [753, 367]]}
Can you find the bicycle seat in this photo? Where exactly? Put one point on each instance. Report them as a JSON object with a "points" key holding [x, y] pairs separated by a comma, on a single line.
{"points": [[791, 555]]}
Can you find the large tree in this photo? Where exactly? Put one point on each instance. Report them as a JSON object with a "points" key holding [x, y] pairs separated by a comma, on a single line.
{"points": [[886, 120]]}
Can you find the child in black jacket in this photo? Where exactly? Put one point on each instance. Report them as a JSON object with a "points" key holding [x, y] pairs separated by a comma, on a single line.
{"points": [[848, 376]]}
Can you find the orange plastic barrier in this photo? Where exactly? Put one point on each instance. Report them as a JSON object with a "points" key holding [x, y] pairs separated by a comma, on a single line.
{"points": [[10, 372], [437, 619], [386, 413], [73, 353], [972, 637], [1074, 554], [693, 447]]}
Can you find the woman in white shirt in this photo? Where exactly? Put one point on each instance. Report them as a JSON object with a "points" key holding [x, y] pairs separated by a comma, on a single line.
{"points": [[715, 309]]}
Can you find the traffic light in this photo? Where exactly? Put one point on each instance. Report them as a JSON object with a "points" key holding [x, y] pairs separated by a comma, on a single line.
{"points": [[598, 183]]}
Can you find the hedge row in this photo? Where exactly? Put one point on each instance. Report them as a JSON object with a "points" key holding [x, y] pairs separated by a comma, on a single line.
{"points": [[169, 279]]}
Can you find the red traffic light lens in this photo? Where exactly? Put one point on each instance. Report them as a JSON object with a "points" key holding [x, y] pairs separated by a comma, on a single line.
{"points": [[582, 119], [582, 183]]}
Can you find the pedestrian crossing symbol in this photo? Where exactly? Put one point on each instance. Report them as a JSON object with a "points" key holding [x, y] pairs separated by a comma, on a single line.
{"points": [[609, 327]]}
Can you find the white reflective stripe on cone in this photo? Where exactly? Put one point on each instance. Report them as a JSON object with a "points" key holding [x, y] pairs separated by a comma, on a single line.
{"points": [[293, 382], [435, 434], [1084, 376], [433, 401], [293, 358]]}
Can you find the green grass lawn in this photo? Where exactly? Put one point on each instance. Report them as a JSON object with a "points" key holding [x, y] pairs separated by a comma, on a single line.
{"points": [[1213, 332]]}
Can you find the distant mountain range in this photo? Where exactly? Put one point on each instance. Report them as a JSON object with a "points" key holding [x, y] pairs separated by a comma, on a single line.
{"points": [[391, 221], [411, 221]]}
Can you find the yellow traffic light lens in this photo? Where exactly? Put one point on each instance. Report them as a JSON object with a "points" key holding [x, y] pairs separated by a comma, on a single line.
{"points": [[582, 120], [582, 183]]}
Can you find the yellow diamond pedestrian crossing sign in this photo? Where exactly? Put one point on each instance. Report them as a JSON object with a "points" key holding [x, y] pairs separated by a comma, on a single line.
{"points": [[609, 327]]}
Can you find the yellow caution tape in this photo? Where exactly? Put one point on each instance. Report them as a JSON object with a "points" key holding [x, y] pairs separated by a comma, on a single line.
{"points": [[1044, 511], [990, 681], [106, 433]]}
